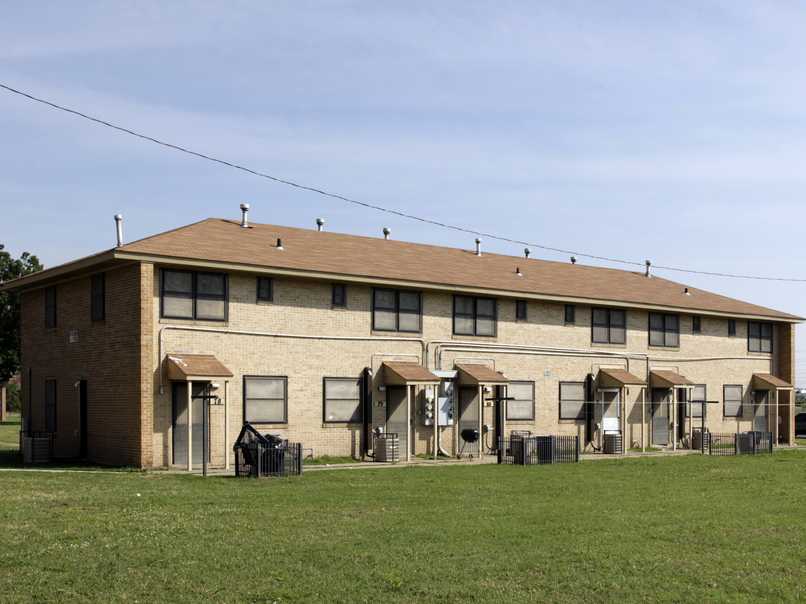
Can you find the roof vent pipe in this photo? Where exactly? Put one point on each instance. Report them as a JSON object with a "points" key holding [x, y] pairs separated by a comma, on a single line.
{"points": [[119, 228], [386, 232], [648, 267], [573, 259], [245, 215], [518, 271], [478, 246], [280, 244], [320, 223], [526, 252]]}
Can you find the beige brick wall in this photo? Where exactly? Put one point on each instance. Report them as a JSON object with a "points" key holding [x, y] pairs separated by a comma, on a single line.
{"points": [[107, 355], [303, 307]]}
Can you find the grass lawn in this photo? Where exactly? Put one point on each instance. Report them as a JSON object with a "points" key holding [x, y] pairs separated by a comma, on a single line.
{"points": [[654, 529]]}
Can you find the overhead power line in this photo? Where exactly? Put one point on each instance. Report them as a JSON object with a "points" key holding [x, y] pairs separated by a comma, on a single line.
{"points": [[374, 206]]}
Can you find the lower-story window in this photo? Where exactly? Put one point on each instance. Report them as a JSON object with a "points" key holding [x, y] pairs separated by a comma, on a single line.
{"points": [[265, 400], [50, 405], [522, 405], [732, 396], [698, 406], [342, 400], [572, 400]]}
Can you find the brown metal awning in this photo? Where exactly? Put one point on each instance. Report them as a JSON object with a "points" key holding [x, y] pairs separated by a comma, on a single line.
{"points": [[767, 381], [617, 378], [188, 367], [400, 373], [668, 379], [480, 374]]}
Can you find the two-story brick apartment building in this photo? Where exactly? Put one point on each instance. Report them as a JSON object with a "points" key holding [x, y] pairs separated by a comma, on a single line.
{"points": [[324, 337]]}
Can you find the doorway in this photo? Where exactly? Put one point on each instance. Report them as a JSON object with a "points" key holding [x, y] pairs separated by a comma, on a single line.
{"points": [[469, 436], [82, 419], [761, 399], [397, 414], [180, 422], [660, 416]]}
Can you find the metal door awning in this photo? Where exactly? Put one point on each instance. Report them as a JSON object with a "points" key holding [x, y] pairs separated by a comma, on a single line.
{"points": [[668, 379], [767, 381], [615, 378], [195, 367], [480, 374], [401, 373]]}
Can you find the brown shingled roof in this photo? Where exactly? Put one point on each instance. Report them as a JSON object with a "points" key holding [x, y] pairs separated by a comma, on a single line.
{"points": [[184, 366], [480, 374], [373, 259], [620, 377], [406, 372], [767, 381], [668, 379]]}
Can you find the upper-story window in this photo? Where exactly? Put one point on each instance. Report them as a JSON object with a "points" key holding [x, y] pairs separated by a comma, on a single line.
{"points": [[759, 336], [474, 316], [50, 307], [696, 324], [731, 327], [194, 295], [608, 326], [338, 295], [570, 314], [664, 330], [521, 310], [265, 289], [396, 310], [98, 297]]}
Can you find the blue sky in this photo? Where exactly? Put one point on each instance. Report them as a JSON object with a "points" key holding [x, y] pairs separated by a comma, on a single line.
{"points": [[669, 131]]}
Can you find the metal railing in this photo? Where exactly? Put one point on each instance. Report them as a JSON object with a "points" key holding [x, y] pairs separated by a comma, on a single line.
{"points": [[741, 443], [259, 455], [538, 450]]}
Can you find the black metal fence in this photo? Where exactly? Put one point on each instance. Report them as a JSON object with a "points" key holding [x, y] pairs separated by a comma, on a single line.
{"points": [[534, 450], [741, 443], [259, 455]]}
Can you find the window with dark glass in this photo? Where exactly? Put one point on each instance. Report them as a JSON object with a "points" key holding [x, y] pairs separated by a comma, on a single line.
{"points": [[50, 307], [759, 336], [732, 396], [731, 327], [474, 316], [342, 400], [190, 295], [608, 326], [696, 324], [570, 314], [50, 405], [697, 406], [664, 330], [265, 289], [522, 403], [265, 400], [396, 310], [338, 295], [572, 400], [98, 297], [520, 310]]}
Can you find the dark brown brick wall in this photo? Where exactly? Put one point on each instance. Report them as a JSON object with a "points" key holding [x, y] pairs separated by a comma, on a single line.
{"points": [[108, 354]]}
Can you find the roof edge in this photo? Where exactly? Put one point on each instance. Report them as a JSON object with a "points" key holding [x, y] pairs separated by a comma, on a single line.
{"points": [[59, 270], [434, 286]]}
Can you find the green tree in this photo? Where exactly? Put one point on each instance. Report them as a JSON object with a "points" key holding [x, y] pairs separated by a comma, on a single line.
{"points": [[11, 268]]}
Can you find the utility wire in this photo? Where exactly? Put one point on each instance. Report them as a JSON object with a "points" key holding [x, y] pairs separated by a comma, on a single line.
{"points": [[373, 206]]}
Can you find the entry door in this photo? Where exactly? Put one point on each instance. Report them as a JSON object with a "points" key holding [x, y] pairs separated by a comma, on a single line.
{"points": [[610, 407], [82, 410], [761, 399], [180, 423], [397, 421], [660, 416], [469, 420]]}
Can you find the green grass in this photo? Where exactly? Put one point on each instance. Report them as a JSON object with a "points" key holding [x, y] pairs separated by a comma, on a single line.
{"points": [[653, 529]]}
